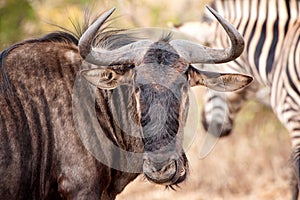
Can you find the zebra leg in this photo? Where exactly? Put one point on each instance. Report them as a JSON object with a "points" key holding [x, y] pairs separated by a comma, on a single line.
{"points": [[288, 112], [295, 176], [289, 120], [220, 109], [294, 181], [289, 116]]}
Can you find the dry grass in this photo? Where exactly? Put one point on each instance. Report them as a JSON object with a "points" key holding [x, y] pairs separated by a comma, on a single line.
{"points": [[253, 163]]}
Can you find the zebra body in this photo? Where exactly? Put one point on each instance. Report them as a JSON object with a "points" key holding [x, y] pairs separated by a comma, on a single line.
{"points": [[271, 30]]}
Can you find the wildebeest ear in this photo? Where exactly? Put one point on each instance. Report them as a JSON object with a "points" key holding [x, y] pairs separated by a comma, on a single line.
{"points": [[222, 82], [106, 78]]}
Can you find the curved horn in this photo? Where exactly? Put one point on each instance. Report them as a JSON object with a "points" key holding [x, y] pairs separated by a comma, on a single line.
{"points": [[195, 53], [102, 56], [85, 41]]}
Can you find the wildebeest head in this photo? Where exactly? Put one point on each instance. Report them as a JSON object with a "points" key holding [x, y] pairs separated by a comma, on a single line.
{"points": [[161, 73]]}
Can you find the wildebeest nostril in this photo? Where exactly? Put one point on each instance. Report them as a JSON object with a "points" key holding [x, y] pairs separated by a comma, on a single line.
{"points": [[163, 166], [171, 165], [159, 165], [160, 172]]}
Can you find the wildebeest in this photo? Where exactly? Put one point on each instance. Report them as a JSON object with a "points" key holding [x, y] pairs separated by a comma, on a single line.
{"points": [[42, 155]]}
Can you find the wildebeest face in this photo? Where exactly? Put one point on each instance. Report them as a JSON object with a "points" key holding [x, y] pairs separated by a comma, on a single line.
{"points": [[161, 113], [161, 75], [161, 92], [161, 81]]}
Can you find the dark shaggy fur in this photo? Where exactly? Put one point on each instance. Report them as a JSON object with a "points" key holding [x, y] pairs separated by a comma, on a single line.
{"points": [[41, 154]]}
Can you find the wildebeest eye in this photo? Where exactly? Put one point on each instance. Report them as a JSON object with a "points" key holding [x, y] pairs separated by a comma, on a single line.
{"points": [[109, 75], [137, 90], [131, 66], [122, 69]]}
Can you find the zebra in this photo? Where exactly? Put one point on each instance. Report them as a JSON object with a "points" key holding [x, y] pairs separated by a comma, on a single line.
{"points": [[271, 30], [63, 97]]}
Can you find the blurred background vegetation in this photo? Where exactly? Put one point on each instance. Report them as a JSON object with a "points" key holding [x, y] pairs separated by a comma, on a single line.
{"points": [[13, 15], [20, 19]]}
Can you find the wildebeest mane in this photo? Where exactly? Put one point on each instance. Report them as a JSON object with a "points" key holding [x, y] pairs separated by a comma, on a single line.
{"points": [[58, 36]]}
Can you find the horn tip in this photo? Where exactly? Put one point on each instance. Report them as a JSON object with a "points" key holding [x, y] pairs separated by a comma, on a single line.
{"points": [[208, 7], [213, 11], [112, 10], [109, 12]]}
